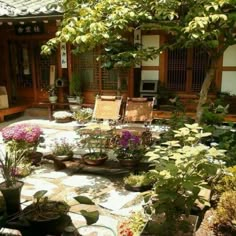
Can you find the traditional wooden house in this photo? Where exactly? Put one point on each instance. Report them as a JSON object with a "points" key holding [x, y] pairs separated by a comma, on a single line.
{"points": [[26, 74]]}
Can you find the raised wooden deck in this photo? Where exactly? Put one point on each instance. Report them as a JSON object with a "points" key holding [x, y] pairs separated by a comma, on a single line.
{"points": [[12, 110]]}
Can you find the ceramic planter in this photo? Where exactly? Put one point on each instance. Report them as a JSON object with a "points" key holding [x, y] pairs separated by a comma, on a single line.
{"points": [[52, 218], [141, 188], [65, 157], [71, 99], [52, 99], [12, 196]]}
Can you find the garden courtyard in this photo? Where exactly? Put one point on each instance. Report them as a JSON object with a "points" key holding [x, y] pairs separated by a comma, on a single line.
{"points": [[115, 204]]}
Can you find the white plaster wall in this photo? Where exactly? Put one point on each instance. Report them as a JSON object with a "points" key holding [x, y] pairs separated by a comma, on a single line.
{"points": [[151, 41], [229, 58], [150, 75], [228, 83]]}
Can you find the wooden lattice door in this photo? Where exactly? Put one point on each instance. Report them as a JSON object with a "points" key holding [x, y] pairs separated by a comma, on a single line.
{"points": [[29, 71]]}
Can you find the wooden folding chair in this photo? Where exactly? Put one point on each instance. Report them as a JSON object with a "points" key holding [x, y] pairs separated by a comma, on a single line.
{"points": [[107, 108], [139, 110], [138, 115]]}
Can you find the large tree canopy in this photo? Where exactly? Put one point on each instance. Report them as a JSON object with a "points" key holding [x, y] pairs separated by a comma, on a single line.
{"points": [[209, 24]]}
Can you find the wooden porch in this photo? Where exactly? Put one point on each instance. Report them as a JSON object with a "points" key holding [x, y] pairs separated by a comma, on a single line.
{"points": [[13, 110], [157, 114]]}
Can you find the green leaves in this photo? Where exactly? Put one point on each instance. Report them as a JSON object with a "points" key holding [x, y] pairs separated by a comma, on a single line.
{"points": [[90, 217], [84, 200], [181, 169], [99, 22]]}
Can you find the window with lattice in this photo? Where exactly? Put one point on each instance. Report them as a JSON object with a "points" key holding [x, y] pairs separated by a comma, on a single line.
{"points": [[94, 77], [86, 66], [186, 69]]}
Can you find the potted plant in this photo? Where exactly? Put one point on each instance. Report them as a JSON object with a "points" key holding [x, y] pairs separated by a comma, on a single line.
{"points": [[75, 89], [52, 95], [96, 145], [24, 138], [139, 182], [62, 116], [11, 187], [83, 115], [44, 215], [50, 216], [181, 168], [130, 149], [62, 149]]}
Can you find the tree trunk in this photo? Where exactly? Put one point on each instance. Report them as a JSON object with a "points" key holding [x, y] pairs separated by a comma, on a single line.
{"points": [[210, 75]]}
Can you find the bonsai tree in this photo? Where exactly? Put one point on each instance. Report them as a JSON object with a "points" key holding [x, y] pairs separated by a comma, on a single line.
{"points": [[207, 24]]}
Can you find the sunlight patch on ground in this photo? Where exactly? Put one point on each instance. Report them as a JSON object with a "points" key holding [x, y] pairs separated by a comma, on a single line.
{"points": [[117, 199], [85, 180]]}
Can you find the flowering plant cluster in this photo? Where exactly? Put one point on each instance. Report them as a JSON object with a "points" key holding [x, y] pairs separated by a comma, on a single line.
{"points": [[83, 114], [130, 146], [61, 147], [21, 137]]}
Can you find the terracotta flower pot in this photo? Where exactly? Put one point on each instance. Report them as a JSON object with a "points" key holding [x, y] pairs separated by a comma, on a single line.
{"points": [[63, 120], [129, 162], [89, 158]]}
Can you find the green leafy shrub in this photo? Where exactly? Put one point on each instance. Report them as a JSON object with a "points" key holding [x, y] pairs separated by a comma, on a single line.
{"points": [[181, 167]]}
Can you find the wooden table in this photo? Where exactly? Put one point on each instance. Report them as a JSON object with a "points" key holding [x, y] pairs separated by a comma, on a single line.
{"points": [[52, 106]]}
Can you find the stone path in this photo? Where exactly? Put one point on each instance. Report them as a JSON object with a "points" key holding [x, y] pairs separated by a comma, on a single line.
{"points": [[113, 202]]}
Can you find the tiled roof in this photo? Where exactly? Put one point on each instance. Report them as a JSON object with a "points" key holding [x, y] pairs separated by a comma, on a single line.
{"points": [[19, 8]]}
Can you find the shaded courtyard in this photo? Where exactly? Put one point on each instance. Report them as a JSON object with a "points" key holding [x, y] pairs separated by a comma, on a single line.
{"points": [[115, 204]]}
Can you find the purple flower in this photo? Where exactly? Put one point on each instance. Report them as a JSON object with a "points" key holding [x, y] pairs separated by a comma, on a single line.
{"points": [[130, 146], [126, 135]]}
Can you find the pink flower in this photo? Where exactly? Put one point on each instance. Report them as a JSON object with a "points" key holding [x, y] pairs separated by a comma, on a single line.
{"points": [[22, 132]]}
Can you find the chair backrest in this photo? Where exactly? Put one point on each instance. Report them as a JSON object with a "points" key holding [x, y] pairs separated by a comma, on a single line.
{"points": [[107, 107], [139, 110]]}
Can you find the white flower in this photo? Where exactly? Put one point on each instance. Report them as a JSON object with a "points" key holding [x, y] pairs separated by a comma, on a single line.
{"points": [[62, 114]]}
